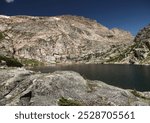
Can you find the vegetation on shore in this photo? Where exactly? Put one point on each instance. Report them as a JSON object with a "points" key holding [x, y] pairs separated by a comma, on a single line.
{"points": [[10, 62], [31, 62]]}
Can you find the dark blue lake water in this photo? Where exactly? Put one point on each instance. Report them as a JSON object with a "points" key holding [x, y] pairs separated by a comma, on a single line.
{"points": [[124, 76]]}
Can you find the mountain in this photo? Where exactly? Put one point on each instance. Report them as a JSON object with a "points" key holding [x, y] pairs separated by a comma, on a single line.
{"points": [[139, 51], [60, 39]]}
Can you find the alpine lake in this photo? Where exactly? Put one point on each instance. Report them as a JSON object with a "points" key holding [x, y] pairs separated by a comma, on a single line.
{"points": [[135, 77]]}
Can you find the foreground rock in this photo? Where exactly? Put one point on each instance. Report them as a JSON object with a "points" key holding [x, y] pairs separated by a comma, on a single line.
{"points": [[23, 87], [62, 39]]}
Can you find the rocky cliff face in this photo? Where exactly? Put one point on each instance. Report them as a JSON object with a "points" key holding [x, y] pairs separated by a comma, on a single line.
{"points": [[61, 39], [141, 50], [136, 53], [23, 87]]}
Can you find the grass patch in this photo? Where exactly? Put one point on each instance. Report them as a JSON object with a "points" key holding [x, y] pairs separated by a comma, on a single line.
{"points": [[31, 62], [68, 102], [11, 62]]}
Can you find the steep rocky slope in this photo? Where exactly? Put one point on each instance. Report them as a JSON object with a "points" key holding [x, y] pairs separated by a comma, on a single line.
{"points": [[138, 52], [23, 87], [61, 39], [141, 50]]}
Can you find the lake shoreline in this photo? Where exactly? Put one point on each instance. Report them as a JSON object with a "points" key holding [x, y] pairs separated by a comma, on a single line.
{"points": [[70, 64], [120, 75]]}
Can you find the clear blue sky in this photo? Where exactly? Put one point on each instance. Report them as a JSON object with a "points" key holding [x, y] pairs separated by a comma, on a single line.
{"points": [[130, 15]]}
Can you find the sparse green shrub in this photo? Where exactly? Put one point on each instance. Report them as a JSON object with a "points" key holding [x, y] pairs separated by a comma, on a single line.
{"points": [[31, 62], [11, 62], [68, 102]]}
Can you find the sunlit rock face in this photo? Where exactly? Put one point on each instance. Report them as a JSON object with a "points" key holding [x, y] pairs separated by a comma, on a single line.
{"points": [[139, 51], [60, 39], [142, 47]]}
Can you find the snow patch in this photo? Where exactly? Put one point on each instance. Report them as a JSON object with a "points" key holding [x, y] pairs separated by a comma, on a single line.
{"points": [[3, 16], [56, 18]]}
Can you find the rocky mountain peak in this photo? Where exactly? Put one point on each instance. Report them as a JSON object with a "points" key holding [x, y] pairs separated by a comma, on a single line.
{"points": [[58, 39], [143, 34], [142, 49], [139, 51]]}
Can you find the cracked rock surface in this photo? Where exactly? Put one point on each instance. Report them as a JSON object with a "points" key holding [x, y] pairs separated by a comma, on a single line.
{"points": [[61, 39]]}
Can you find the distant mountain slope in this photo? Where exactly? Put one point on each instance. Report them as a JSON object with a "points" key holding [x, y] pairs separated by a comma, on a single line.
{"points": [[60, 39]]}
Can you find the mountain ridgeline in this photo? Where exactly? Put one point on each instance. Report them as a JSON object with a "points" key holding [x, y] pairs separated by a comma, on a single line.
{"points": [[68, 40], [141, 49]]}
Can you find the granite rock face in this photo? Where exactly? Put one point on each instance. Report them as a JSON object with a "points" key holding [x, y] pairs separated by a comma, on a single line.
{"points": [[60, 39], [142, 46], [139, 51], [23, 87]]}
